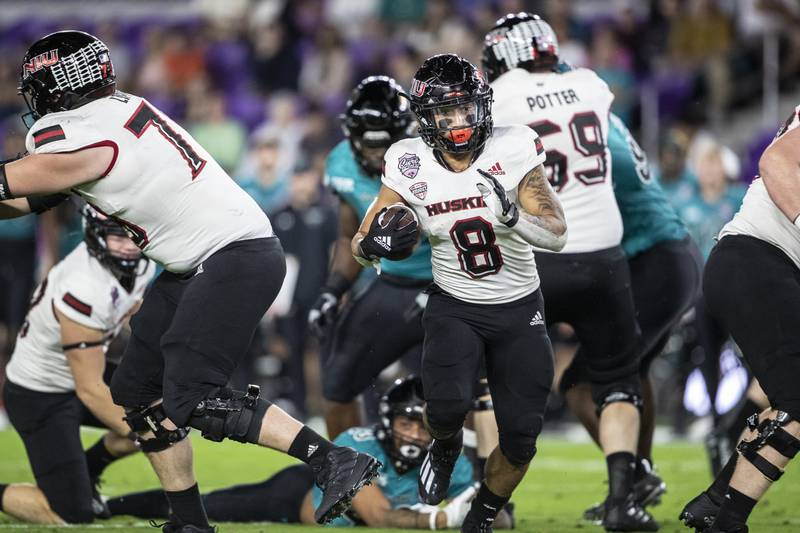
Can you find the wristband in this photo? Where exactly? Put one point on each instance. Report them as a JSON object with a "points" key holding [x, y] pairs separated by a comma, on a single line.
{"points": [[432, 520], [5, 192], [40, 204], [337, 284]]}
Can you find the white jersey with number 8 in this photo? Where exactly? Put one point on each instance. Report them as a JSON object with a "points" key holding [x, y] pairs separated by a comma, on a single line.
{"points": [[475, 257], [177, 203]]}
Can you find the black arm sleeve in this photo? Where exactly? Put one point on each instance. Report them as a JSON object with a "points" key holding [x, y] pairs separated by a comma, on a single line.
{"points": [[40, 204]]}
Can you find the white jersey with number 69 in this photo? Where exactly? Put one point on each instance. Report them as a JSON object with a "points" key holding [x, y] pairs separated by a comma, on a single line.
{"points": [[569, 111], [177, 203], [475, 257]]}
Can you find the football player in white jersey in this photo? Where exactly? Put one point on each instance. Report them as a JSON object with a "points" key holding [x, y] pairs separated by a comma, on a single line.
{"points": [[223, 268], [56, 374], [752, 286], [481, 197], [587, 285]]}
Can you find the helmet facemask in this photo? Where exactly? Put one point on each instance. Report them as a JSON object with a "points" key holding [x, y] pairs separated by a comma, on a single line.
{"points": [[96, 231], [400, 409], [458, 125]]}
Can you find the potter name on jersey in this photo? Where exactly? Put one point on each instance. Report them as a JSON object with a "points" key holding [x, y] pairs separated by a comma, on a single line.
{"points": [[475, 258], [569, 110]]}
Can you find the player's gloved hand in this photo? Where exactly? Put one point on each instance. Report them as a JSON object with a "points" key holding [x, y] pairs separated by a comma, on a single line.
{"points": [[381, 241], [496, 199], [459, 506], [323, 314]]}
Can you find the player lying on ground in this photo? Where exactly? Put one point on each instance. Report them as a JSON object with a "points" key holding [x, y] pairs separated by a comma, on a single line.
{"points": [[481, 196], [223, 268], [398, 441], [752, 286], [56, 375]]}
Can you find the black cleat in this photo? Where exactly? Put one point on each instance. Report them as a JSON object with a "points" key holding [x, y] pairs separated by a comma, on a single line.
{"points": [[435, 472], [343, 474], [699, 513], [177, 527], [472, 524], [647, 491], [99, 506], [738, 528], [628, 516]]}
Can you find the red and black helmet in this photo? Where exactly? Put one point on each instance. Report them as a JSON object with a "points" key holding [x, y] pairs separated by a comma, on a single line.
{"points": [[96, 228], [447, 81], [519, 40], [65, 70], [376, 117]]}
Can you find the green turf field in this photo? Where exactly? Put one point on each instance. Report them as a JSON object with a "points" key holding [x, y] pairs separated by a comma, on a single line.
{"points": [[565, 479]]}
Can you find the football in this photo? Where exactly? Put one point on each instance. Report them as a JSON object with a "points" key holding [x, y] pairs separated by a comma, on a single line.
{"points": [[407, 216]]}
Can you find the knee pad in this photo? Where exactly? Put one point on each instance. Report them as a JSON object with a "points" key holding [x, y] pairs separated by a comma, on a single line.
{"points": [[233, 414], [146, 419], [446, 417], [770, 433], [619, 396], [518, 443]]}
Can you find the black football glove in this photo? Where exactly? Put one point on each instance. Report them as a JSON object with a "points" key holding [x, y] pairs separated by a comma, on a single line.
{"points": [[323, 314], [497, 200], [382, 241]]}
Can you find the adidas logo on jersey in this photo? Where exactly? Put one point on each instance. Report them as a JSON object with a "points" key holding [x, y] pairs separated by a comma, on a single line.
{"points": [[496, 170], [536, 320], [384, 241]]}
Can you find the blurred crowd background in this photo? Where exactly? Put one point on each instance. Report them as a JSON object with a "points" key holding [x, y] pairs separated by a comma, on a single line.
{"points": [[704, 84]]}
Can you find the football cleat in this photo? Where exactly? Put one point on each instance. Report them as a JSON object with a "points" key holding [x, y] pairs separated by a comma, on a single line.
{"points": [[434, 475], [699, 513], [628, 516], [647, 491], [472, 524], [344, 472], [738, 528], [177, 527]]}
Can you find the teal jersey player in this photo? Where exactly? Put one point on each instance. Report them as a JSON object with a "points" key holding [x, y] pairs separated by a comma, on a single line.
{"points": [[399, 489], [345, 177], [647, 216]]}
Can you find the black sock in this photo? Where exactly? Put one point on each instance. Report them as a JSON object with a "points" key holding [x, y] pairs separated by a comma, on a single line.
{"points": [[2, 490], [735, 510], [644, 465], [451, 445], [487, 504], [719, 487], [187, 507], [310, 447], [149, 504], [98, 458], [621, 468]]}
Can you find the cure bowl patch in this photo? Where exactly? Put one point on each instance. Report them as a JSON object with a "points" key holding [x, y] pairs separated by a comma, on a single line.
{"points": [[409, 165], [419, 189]]}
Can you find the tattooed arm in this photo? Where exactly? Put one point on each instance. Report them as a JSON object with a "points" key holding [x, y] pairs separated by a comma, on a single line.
{"points": [[541, 217], [536, 216]]}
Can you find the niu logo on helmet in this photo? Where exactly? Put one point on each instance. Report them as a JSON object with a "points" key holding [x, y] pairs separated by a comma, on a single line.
{"points": [[41, 61]]}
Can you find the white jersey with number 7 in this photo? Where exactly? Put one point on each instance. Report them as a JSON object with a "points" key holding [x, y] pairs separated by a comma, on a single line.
{"points": [[177, 203]]}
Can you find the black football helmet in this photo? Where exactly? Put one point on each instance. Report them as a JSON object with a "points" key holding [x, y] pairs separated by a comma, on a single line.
{"points": [[519, 40], [96, 227], [404, 398], [64, 70], [375, 118], [448, 84]]}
